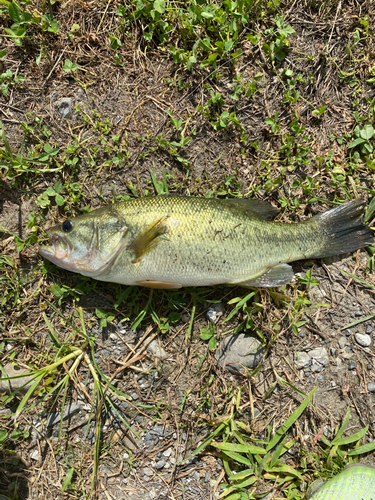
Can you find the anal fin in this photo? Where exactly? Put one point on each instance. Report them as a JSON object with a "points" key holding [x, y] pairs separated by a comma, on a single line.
{"points": [[148, 238], [158, 284], [275, 276]]}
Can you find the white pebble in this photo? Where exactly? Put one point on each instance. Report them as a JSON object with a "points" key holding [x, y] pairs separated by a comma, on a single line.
{"points": [[363, 339]]}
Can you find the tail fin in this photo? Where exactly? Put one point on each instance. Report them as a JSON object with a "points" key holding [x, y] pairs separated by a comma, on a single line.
{"points": [[343, 230]]}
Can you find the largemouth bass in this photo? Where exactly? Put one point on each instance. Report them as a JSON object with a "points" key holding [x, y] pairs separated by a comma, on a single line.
{"points": [[171, 242]]}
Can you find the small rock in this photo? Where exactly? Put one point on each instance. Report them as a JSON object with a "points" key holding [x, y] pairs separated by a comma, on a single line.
{"points": [[238, 351], [302, 333], [185, 317], [64, 107], [22, 384], [134, 396], [363, 339], [167, 453], [358, 313], [302, 359], [160, 464], [333, 351], [215, 311], [342, 342], [113, 337], [320, 354], [35, 455], [352, 365], [348, 332], [157, 350], [55, 417], [369, 329], [257, 412], [371, 387], [147, 471]]}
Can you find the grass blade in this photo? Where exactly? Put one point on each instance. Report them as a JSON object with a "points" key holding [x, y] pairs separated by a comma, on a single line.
{"points": [[344, 425], [350, 439], [290, 421]]}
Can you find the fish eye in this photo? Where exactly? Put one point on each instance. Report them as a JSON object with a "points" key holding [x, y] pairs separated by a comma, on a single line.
{"points": [[67, 226]]}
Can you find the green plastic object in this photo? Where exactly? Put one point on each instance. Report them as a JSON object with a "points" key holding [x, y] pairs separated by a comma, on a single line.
{"points": [[355, 482]]}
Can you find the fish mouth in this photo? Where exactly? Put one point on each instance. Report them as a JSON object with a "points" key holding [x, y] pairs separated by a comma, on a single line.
{"points": [[56, 251]]}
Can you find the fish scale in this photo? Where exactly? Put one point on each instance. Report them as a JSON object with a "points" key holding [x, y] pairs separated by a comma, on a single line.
{"points": [[170, 241]]}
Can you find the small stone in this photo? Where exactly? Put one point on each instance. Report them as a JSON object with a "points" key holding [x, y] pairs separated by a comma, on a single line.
{"points": [[167, 453], [302, 360], [147, 471], [358, 313], [348, 332], [363, 339], [320, 354], [134, 396], [302, 333], [215, 311], [185, 317], [342, 342], [371, 387], [113, 337], [369, 329], [160, 464], [333, 351], [352, 365], [21, 384], [157, 350], [64, 107], [34, 455], [238, 351]]}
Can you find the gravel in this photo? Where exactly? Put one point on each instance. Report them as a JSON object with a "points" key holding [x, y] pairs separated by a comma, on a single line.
{"points": [[371, 387]]}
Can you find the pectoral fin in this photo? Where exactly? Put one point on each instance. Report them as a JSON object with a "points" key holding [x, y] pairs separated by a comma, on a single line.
{"points": [[275, 276], [148, 238]]}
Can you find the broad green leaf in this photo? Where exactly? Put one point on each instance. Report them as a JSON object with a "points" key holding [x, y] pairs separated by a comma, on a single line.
{"points": [[367, 132], [159, 6], [3, 435], [356, 142], [59, 200], [14, 13], [67, 480]]}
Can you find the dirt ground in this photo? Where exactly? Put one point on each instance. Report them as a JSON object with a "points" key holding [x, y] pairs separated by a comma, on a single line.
{"points": [[178, 393]]}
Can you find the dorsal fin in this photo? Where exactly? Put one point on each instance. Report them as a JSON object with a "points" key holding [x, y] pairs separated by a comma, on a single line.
{"points": [[262, 209]]}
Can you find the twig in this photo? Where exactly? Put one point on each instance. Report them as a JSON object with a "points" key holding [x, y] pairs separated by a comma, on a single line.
{"points": [[334, 23], [54, 66]]}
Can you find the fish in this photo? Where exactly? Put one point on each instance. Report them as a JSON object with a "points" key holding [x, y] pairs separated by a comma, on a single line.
{"points": [[174, 241]]}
